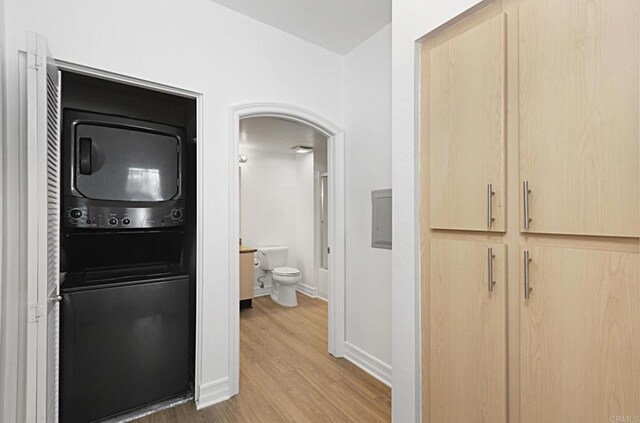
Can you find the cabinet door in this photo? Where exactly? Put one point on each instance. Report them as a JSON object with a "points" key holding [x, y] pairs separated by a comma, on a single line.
{"points": [[466, 129], [578, 95], [467, 338], [580, 337], [246, 276]]}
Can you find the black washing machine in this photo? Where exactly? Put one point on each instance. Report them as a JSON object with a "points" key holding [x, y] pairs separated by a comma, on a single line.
{"points": [[123, 341]]}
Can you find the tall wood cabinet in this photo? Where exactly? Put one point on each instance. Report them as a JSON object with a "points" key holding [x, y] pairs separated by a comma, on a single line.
{"points": [[530, 213]]}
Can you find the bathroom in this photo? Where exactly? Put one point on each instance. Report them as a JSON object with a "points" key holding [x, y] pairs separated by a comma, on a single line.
{"points": [[283, 210]]}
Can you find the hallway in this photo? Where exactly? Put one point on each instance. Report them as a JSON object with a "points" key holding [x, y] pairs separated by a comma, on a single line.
{"points": [[286, 374]]}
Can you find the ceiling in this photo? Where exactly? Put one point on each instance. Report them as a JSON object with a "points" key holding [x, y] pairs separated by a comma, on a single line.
{"points": [[278, 135], [337, 25]]}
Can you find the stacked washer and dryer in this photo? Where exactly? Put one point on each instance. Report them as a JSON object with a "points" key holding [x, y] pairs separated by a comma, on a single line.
{"points": [[127, 251]]}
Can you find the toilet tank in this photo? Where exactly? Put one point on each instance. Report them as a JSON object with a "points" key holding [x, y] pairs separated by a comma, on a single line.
{"points": [[272, 257]]}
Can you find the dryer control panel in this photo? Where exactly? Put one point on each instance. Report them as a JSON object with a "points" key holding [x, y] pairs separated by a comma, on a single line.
{"points": [[86, 213]]}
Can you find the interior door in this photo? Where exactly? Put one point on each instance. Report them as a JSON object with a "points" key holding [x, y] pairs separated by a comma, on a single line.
{"points": [[43, 173], [467, 129], [580, 336], [467, 338], [579, 100]]}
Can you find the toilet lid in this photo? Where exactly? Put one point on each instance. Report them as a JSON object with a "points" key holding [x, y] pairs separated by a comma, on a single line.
{"points": [[286, 271]]}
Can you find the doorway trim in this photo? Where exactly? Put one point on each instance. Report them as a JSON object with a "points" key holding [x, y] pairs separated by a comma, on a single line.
{"points": [[336, 161]]}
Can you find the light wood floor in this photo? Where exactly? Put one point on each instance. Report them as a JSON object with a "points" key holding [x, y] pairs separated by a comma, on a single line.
{"points": [[286, 374]]}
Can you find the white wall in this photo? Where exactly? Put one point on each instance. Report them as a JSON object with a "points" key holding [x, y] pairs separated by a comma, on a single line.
{"points": [[191, 44], [411, 20], [277, 197], [266, 214], [367, 96]]}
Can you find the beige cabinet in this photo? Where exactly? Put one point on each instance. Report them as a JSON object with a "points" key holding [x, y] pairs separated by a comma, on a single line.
{"points": [[580, 336], [579, 100], [468, 334], [541, 99], [246, 276], [466, 129]]}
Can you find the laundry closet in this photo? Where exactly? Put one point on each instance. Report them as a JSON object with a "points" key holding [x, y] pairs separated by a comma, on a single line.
{"points": [[530, 213], [127, 243]]}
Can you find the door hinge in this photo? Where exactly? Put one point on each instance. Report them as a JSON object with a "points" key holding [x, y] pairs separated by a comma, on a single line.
{"points": [[35, 312], [328, 250], [34, 61]]}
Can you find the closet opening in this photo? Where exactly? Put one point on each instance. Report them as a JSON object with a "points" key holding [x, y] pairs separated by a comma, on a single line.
{"points": [[127, 249]]}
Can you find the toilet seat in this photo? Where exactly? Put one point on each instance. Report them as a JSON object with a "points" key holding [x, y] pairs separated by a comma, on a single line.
{"points": [[286, 271]]}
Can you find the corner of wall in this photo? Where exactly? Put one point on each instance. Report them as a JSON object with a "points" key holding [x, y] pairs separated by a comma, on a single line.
{"points": [[307, 290], [367, 106], [410, 21]]}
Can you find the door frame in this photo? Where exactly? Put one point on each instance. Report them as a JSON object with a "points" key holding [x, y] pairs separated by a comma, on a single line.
{"points": [[198, 97], [317, 231], [336, 161]]}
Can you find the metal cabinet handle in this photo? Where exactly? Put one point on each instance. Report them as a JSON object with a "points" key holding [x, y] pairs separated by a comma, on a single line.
{"points": [[525, 195], [490, 194], [490, 281], [55, 299], [527, 288]]}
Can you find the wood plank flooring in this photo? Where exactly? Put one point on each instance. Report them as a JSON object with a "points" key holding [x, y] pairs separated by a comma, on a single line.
{"points": [[286, 374]]}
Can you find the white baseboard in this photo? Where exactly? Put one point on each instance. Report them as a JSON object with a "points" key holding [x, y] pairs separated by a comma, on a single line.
{"points": [[213, 393], [376, 368], [322, 295], [306, 290], [261, 292]]}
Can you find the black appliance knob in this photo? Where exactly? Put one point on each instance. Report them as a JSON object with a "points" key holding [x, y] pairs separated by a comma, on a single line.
{"points": [[113, 221], [75, 213], [125, 221], [176, 214], [88, 221]]}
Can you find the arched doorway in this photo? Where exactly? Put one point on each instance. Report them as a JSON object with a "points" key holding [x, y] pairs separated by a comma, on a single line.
{"points": [[336, 285]]}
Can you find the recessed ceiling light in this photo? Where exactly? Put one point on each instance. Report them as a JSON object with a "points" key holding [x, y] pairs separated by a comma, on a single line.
{"points": [[301, 149]]}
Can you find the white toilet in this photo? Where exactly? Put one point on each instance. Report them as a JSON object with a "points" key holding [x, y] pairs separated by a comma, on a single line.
{"points": [[284, 279]]}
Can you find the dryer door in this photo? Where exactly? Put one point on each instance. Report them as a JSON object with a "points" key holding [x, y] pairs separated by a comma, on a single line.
{"points": [[125, 164]]}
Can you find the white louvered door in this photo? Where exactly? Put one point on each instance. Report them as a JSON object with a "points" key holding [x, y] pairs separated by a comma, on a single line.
{"points": [[43, 113], [52, 255]]}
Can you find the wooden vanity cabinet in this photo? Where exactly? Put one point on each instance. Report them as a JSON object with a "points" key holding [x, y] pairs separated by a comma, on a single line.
{"points": [[246, 277]]}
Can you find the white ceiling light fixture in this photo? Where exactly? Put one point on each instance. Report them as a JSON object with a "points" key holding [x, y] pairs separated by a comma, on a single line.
{"points": [[302, 149]]}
